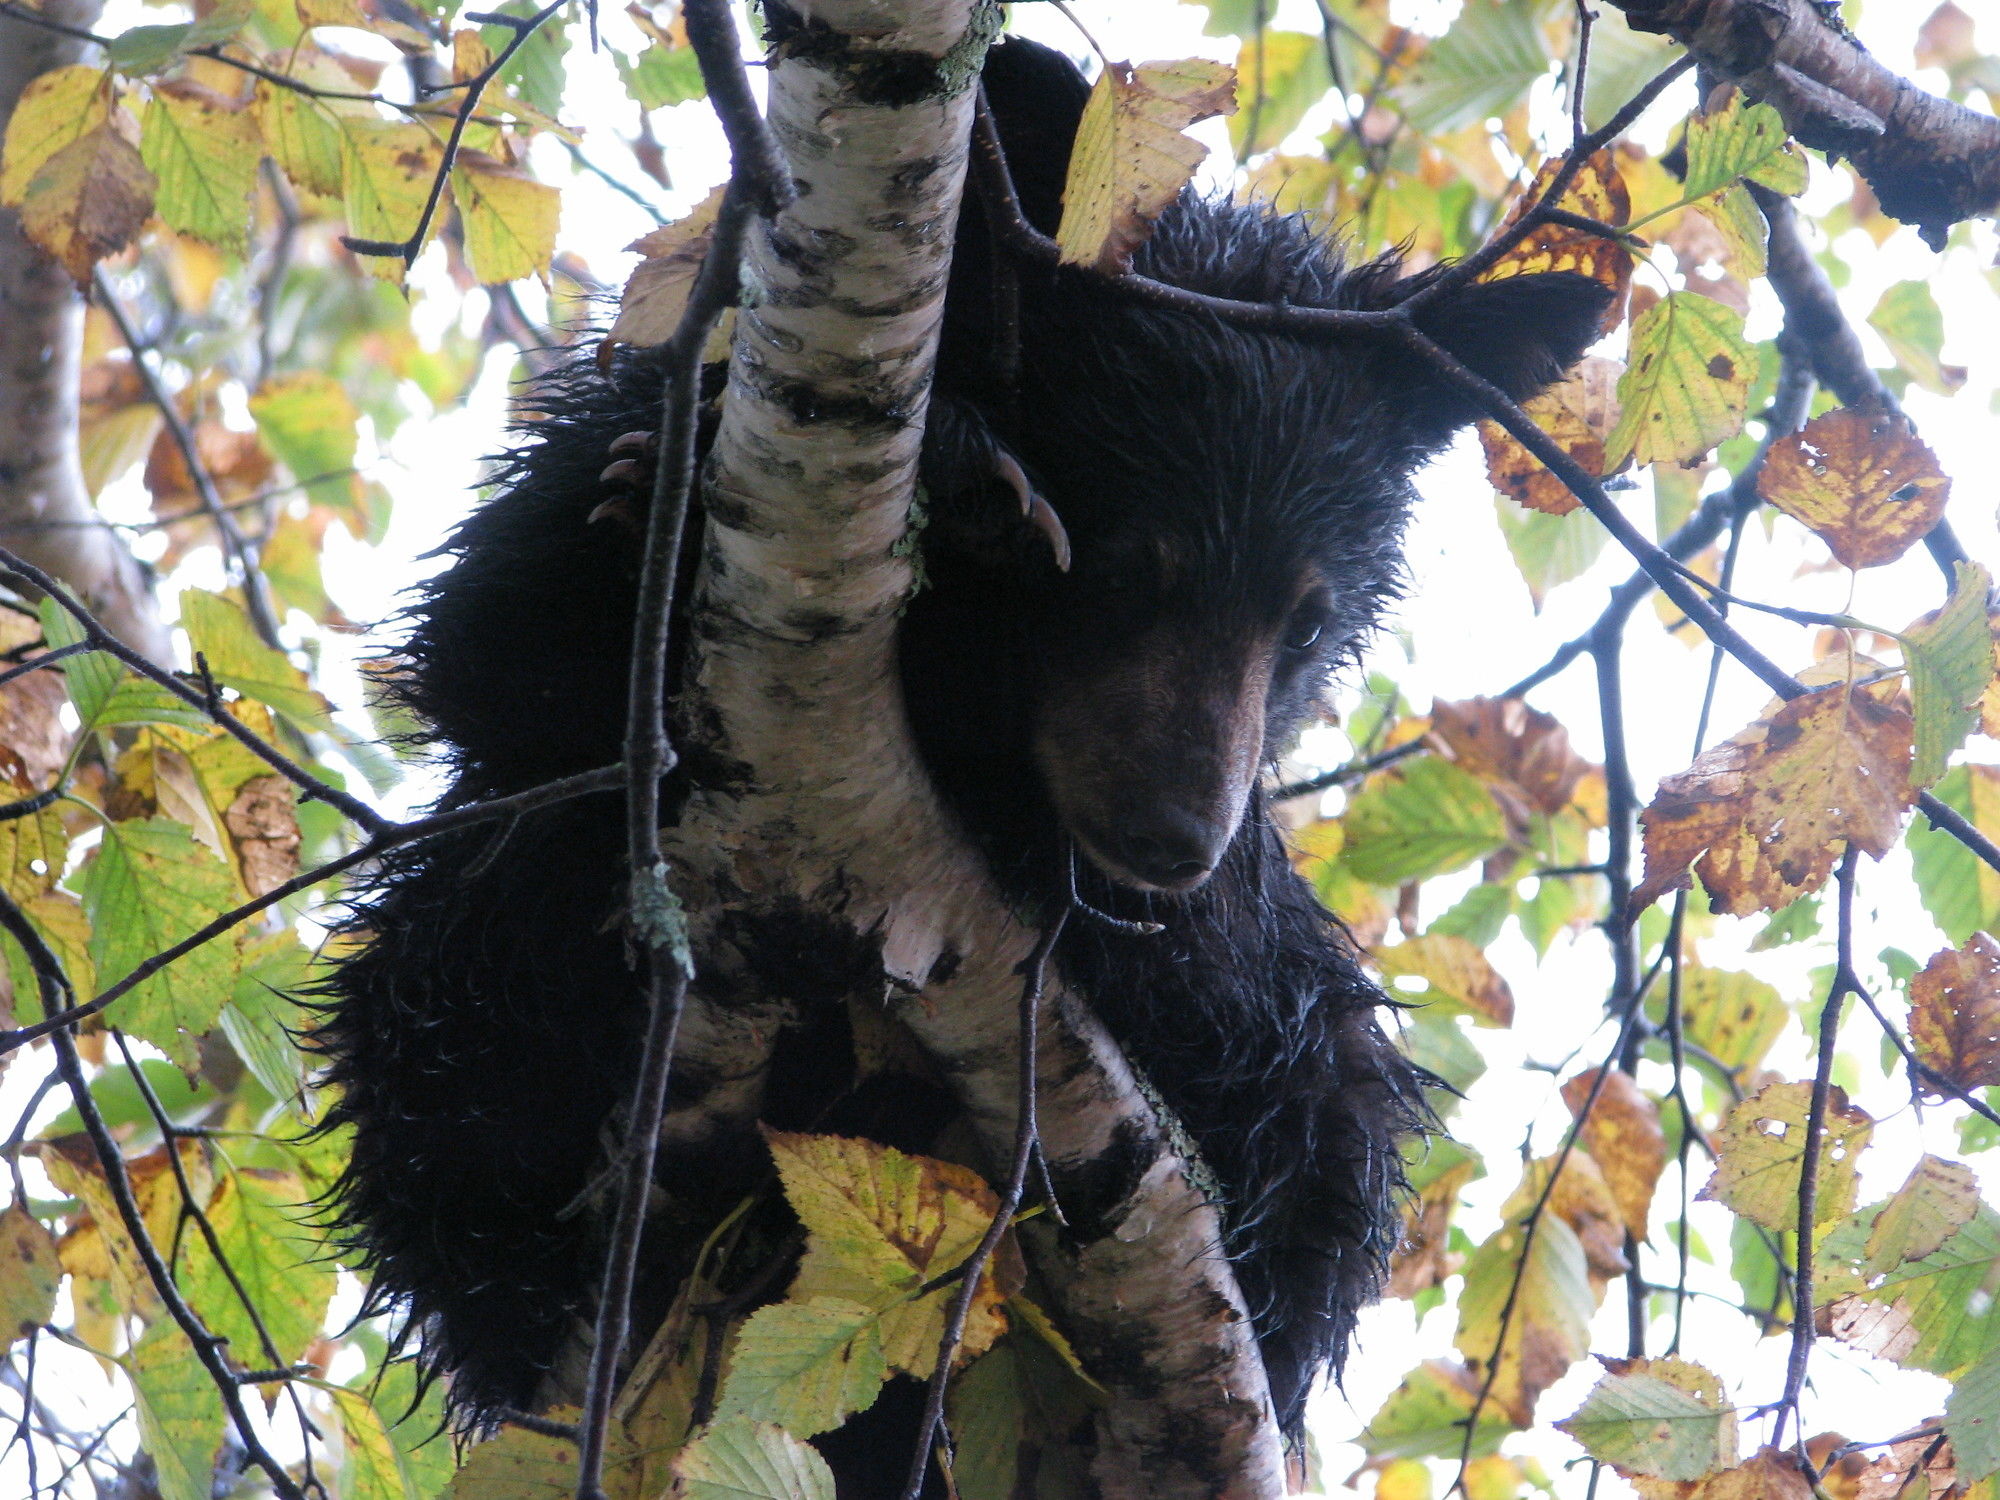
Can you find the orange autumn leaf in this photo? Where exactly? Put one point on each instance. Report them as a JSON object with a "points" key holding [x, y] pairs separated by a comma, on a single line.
{"points": [[1578, 413], [1861, 479], [1503, 740], [1955, 1013], [1597, 192], [1762, 815], [1623, 1136]]}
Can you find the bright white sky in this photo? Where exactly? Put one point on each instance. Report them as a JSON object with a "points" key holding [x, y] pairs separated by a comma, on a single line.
{"points": [[1470, 629]]}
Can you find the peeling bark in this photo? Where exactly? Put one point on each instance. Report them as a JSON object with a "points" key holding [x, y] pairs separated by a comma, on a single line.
{"points": [[793, 680], [45, 510], [1930, 162]]}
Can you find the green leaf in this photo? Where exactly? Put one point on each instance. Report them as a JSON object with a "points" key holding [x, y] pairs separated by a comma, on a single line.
{"points": [[1439, 1045], [807, 1366], [1478, 915], [281, 1265], [742, 1460], [1972, 1420], [205, 157], [418, 1425], [1483, 66], [222, 634], [661, 76], [103, 693], [1958, 888], [1425, 818], [1686, 384], [1912, 325], [1425, 1416], [150, 885], [1797, 923], [1929, 1208], [1951, 663], [308, 421], [1937, 1314], [1279, 76], [1549, 550], [262, 1019], [1761, 1151], [180, 1411], [1663, 1418], [986, 1416], [371, 1465], [535, 73], [1740, 140], [30, 1273]]}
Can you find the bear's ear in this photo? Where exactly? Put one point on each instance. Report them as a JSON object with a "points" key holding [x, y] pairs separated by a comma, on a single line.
{"points": [[1521, 333]]}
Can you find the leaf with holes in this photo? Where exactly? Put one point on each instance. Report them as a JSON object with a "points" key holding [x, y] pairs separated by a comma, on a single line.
{"points": [[1937, 1313], [1951, 667], [1458, 978], [1955, 1013], [1131, 159], [1861, 479], [1762, 816], [1686, 385], [1663, 1418], [1760, 1152]]}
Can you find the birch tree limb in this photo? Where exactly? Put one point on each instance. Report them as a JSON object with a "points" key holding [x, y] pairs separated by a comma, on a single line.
{"points": [[1930, 162], [828, 815], [45, 510]]}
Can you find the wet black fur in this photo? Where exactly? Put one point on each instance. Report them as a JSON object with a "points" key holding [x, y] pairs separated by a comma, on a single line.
{"points": [[485, 1036]]}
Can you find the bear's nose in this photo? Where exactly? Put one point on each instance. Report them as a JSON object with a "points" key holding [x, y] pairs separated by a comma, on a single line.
{"points": [[1168, 848]]}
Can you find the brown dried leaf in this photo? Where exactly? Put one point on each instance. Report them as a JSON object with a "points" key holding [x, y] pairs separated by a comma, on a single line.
{"points": [[90, 198], [265, 830], [1131, 159], [1503, 740], [1597, 192], [1762, 815], [1768, 1475], [1423, 1258], [1860, 478], [1579, 414], [1955, 1013], [1623, 1136], [656, 294], [1895, 1474]]}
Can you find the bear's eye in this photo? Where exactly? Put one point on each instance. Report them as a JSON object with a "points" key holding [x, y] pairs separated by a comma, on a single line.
{"points": [[1304, 629]]}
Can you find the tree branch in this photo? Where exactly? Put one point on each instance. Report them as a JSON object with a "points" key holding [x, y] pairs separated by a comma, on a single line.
{"points": [[1931, 162]]}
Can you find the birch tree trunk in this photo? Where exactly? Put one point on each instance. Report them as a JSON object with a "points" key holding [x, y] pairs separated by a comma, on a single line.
{"points": [[793, 680]]}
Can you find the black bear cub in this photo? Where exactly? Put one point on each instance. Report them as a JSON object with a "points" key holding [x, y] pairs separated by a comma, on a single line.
{"points": [[1148, 538]]}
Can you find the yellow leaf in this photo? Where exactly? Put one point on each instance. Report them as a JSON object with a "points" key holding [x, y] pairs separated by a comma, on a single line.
{"points": [[1763, 814], [203, 152], [1579, 413], [29, 1273], [1130, 159], [303, 136], [510, 219], [54, 109], [1861, 479], [90, 198], [1596, 192], [1458, 975], [1761, 1150], [1937, 1199], [386, 172], [1623, 1136], [1686, 383]]}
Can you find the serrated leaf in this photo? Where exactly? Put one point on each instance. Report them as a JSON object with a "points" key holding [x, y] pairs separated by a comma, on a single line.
{"points": [[1955, 1013], [1596, 191], [656, 293], [1458, 977], [1425, 818], [104, 694], [256, 1214], [303, 136], [150, 885], [203, 154], [54, 109], [29, 1273], [371, 1465], [1740, 140], [1938, 1199], [1483, 66], [808, 1366], [180, 1411], [739, 1460], [1578, 412], [1958, 888], [1623, 1136], [1131, 159], [386, 172], [1761, 1148], [263, 1019], [1761, 817], [1935, 1314], [89, 199], [523, 1465], [1951, 667], [221, 632], [509, 217], [1663, 1418], [879, 1225], [1687, 380], [1861, 479]]}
